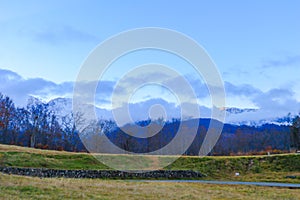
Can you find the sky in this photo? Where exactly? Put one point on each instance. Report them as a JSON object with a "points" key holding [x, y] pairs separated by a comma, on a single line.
{"points": [[254, 44]]}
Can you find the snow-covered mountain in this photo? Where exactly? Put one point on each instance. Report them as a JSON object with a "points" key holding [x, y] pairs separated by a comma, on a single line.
{"points": [[64, 106], [142, 111], [234, 110], [257, 117], [33, 100], [61, 106]]}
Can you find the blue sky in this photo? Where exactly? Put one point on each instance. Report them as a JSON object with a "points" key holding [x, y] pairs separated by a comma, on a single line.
{"points": [[255, 44]]}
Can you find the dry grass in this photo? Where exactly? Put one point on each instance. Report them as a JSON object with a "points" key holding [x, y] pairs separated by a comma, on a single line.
{"points": [[14, 148], [16, 187]]}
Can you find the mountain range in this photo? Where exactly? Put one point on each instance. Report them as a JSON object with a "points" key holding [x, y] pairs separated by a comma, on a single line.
{"points": [[140, 111]]}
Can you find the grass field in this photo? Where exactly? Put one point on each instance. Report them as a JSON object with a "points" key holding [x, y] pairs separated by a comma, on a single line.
{"points": [[251, 168], [17, 187]]}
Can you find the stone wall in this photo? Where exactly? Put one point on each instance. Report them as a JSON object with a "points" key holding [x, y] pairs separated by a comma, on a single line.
{"points": [[47, 173]]}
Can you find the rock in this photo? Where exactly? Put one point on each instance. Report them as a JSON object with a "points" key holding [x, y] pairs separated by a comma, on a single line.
{"points": [[292, 177], [53, 173]]}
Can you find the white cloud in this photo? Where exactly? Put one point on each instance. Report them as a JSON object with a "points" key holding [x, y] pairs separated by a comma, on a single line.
{"points": [[275, 102]]}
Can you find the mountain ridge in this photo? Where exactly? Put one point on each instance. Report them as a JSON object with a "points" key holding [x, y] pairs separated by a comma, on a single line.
{"points": [[140, 111]]}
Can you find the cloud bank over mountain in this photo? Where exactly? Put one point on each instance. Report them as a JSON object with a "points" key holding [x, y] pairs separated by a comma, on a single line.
{"points": [[271, 104]]}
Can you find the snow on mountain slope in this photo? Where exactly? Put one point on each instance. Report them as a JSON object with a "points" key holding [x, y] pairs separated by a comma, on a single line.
{"points": [[63, 106], [257, 117], [140, 111]]}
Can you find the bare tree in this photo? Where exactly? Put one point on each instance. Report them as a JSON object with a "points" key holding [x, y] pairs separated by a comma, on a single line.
{"points": [[39, 118], [295, 134], [7, 112]]}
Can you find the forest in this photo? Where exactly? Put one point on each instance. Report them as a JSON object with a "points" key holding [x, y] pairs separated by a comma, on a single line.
{"points": [[37, 126]]}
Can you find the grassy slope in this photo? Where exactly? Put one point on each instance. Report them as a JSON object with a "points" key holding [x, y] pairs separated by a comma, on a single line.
{"points": [[251, 168], [17, 187]]}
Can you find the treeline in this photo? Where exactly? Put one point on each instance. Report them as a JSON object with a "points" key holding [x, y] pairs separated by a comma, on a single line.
{"points": [[37, 126], [234, 140]]}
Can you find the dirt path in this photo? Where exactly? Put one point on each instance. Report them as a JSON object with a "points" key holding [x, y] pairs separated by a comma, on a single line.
{"points": [[266, 184], [155, 163]]}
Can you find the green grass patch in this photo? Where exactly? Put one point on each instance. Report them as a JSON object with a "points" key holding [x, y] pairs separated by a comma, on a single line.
{"points": [[251, 168], [72, 161]]}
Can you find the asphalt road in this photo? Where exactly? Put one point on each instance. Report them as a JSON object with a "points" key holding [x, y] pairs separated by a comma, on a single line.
{"points": [[266, 184]]}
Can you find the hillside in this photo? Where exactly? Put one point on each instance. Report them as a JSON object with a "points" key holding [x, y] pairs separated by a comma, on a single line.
{"points": [[251, 168]]}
